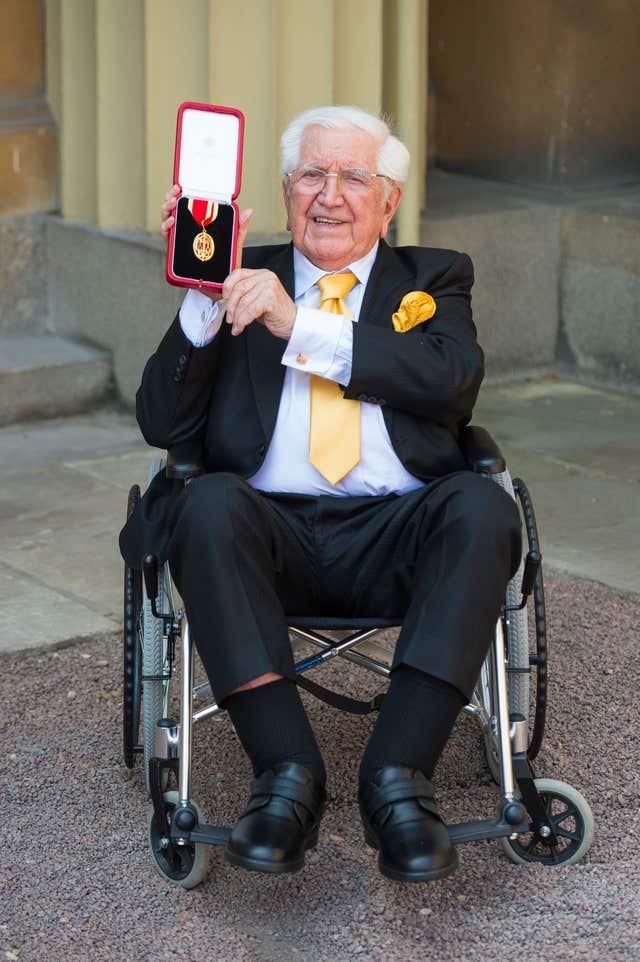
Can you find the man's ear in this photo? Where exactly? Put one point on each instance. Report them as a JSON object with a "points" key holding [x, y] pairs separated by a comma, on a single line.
{"points": [[390, 205], [285, 197]]}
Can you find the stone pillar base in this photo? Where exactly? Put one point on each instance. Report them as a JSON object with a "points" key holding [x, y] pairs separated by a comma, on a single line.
{"points": [[28, 159]]}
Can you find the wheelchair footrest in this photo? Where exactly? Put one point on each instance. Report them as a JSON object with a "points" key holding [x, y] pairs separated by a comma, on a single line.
{"points": [[210, 834], [511, 817]]}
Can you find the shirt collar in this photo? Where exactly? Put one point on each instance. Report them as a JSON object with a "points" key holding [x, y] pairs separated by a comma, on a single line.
{"points": [[307, 274]]}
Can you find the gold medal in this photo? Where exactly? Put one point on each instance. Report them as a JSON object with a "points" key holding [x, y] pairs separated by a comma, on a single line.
{"points": [[204, 213], [203, 246]]}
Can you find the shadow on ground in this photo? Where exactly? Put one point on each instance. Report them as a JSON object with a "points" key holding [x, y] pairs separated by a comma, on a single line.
{"points": [[78, 882]]}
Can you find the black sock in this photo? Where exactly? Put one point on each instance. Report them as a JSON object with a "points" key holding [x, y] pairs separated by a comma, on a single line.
{"points": [[273, 727], [415, 721]]}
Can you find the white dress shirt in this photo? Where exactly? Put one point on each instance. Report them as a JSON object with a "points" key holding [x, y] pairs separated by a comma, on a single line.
{"points": [[320, 343]]}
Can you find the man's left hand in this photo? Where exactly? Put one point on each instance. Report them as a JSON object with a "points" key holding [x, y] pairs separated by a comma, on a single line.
{"points": [[257, 295]]}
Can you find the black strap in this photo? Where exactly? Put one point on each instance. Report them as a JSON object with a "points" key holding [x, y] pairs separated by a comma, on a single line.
{"points": [[270, 784], [343, 702], [401, 790]]}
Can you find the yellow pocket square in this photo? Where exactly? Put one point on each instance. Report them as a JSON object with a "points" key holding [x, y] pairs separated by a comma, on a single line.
{"points": [[415, 307]]}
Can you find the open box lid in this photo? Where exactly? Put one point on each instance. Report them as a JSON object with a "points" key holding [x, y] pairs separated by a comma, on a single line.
{"points": [[208, 160]]}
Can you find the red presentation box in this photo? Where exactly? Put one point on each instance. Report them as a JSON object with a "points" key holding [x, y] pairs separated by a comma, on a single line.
{"points": [[208, 169]]}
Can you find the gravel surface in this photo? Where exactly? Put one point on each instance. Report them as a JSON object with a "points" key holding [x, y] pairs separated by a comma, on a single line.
{"points": [[77, 881]]}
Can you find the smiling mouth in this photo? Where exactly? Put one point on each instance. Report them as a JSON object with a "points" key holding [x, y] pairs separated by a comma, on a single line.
{"points": [[330, 221]]}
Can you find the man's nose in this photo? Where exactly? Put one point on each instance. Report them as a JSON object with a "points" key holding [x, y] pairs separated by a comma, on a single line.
{"points": [[331, 193]]}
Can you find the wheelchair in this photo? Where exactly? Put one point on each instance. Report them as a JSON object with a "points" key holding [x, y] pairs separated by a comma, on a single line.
{"points": [[537, 820]]}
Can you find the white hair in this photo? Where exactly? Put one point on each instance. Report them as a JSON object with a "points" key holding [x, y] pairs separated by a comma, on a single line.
{"points": [[392, 158]]}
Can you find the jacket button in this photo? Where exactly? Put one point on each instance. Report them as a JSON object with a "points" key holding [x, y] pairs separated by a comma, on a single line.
{"points": [[182, 360], [177, 378], [261, 449]]}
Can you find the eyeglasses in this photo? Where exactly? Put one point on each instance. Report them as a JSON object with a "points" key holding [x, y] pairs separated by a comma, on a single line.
{"points": [[313, 180]]}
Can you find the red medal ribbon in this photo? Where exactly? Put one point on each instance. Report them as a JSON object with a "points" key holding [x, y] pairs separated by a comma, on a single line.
{"points": [[204, 212]]}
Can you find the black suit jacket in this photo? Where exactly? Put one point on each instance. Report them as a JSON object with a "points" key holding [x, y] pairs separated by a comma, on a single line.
{"points": [[226, 394]]}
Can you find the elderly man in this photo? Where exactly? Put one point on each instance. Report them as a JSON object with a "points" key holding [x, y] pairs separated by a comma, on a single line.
{"points": [[328, 387]]}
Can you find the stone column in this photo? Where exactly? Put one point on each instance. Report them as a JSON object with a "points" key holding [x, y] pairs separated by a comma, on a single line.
{"points": [[303, 62], [78, 179], [120, 113], [118, 69], [358, 40], [27, 133], [176, 69], [242, 75], [405, 97]]}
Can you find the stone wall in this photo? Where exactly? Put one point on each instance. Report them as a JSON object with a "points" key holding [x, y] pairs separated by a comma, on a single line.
{"points": [[600, 293], [23, 275], [557, 283]]}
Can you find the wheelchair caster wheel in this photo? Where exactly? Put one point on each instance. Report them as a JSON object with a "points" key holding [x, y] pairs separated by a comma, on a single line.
{"points": [[572, 820], [182, 865]]}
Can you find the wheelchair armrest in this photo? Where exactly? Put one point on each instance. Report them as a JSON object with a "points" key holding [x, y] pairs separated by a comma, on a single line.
{"points": [[184, 461], [481, 452]]}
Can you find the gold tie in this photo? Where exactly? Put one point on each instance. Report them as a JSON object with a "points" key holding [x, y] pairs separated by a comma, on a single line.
{"points": [[334, 443]]}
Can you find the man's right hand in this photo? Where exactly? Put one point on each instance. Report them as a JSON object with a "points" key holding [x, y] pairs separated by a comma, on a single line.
{"points": [[167, 220]]}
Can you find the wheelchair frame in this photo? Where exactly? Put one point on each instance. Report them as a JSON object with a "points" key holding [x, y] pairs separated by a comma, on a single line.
{"points": [[178, 838]]}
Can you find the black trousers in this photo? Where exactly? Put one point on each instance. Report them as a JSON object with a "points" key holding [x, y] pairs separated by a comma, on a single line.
{"points": [[439, 557]]}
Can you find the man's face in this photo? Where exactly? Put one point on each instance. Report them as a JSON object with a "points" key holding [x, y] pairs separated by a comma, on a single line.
{"points": [[337, 226]]}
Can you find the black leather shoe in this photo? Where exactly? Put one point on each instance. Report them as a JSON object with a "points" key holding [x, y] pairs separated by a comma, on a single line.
{"points": [[280, 822], [401, 820]]}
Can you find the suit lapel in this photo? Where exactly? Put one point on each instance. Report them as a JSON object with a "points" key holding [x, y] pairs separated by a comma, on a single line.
{"points": [[387, 283], [264, 351]]}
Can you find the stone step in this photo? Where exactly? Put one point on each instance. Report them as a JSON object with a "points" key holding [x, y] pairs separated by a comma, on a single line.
{"points": [[43, 376]]}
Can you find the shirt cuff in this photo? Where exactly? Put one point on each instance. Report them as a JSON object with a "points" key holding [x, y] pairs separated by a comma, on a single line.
{"points": [[321, 343], [200, 318]]}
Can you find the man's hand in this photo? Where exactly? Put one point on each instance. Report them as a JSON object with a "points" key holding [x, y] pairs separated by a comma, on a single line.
{"points": [[258, 296], [167, 220]]}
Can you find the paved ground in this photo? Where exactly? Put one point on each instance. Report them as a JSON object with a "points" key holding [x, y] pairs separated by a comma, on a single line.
{"points": [[76, 880], [63, 496], [579, 452], [78, 883], [64, 486]]}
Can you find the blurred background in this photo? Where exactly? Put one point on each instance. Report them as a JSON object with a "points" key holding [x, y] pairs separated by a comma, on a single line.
{"points": [[522, 121]]}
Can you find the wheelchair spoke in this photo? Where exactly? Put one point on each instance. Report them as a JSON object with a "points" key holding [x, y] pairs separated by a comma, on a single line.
{"points": [[569, 812], [555, 854], [560, 829], [564, 833]]}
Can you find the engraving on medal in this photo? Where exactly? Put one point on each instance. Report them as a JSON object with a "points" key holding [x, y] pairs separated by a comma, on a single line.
{"points": [[203, 246]]}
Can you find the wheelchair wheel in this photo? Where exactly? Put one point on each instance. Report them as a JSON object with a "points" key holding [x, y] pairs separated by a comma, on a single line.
{"points": [[538, 658], [517, 642], [569, 813], [517, 630], [132, 651], [156, 669], [485, 696], [182, 865]]}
